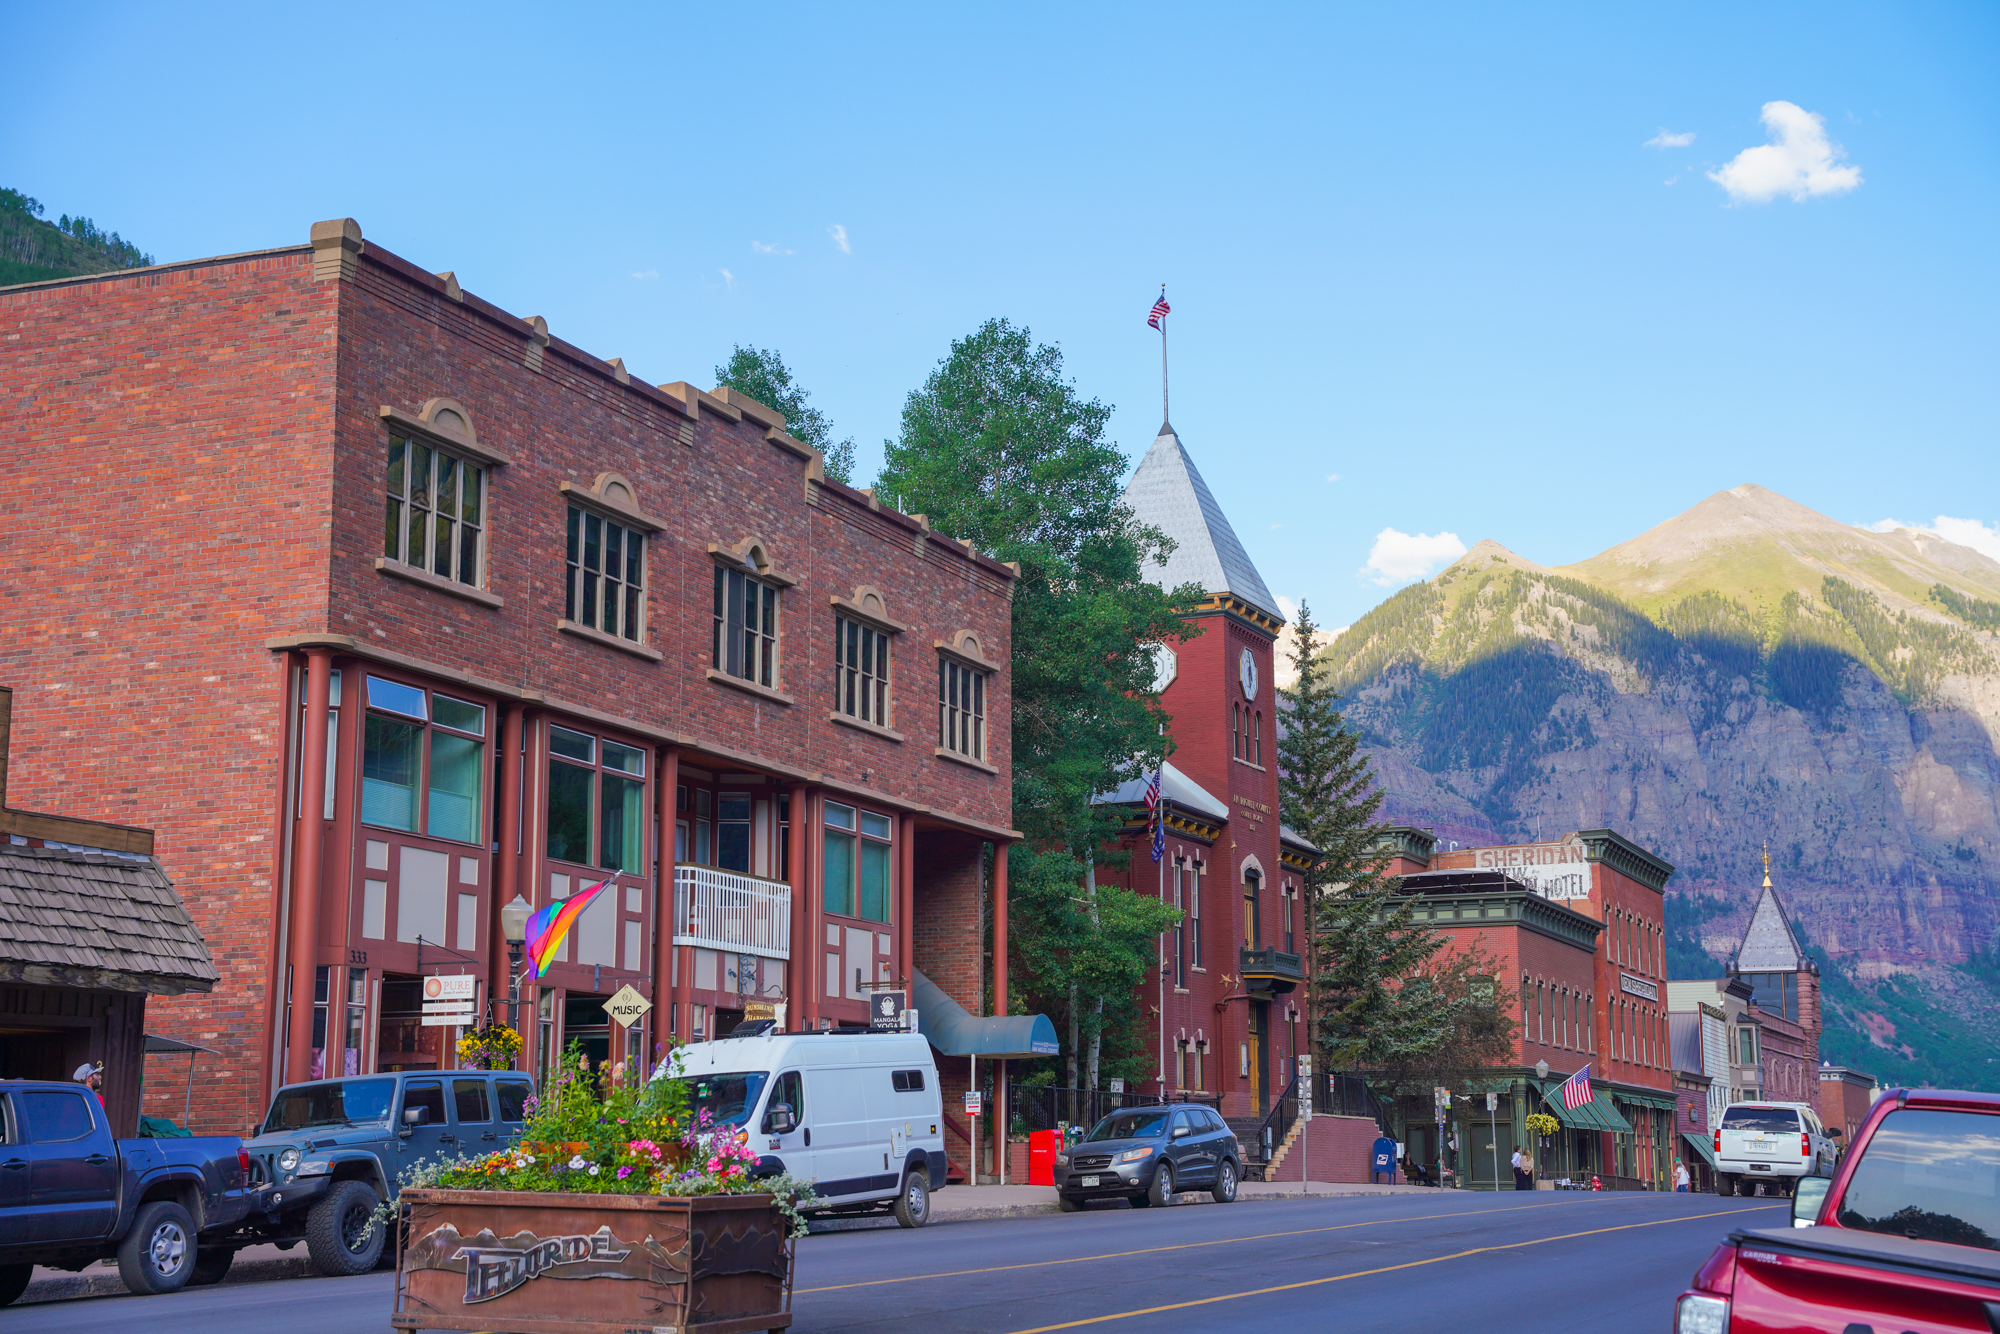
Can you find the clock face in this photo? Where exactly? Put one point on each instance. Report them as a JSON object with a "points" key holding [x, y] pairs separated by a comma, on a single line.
{"points": [[1246, 672], [1166, 666]]}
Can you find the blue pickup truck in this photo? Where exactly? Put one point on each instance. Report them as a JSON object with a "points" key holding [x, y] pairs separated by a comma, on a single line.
{"points": [[329, 1152], [71, 1194]]}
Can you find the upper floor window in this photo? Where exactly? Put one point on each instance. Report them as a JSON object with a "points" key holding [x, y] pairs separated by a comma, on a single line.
{"points": [[860, 671], [857, 863], [746, 627], [421, 761], [962, 708], [1257, 737], [606, 575], [596, 785], [435, 518], [1236, 731]]}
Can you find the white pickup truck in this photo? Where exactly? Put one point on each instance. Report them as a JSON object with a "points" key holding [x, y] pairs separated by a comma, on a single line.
{"points": [[1777, 1142]]}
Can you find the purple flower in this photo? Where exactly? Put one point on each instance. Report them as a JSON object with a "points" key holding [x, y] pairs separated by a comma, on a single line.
{"points": [[624, 1172]]}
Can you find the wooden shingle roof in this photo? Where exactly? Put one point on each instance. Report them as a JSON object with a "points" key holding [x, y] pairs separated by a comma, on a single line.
{"points": [[89, 919]]}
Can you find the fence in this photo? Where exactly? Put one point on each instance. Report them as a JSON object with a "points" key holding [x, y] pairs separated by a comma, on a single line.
{"points": [[726, 911], [1038, 1108]]}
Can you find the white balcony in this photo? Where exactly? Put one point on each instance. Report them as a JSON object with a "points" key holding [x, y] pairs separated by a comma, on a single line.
{"points": [[721, 910]]}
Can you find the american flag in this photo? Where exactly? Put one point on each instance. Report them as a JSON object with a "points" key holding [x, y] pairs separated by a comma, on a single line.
{"points": [[1576, 1090], [1153, 817], [1160, 309]]}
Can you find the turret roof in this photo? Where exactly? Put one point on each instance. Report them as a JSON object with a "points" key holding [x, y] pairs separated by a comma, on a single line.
{"points": [[1769, 943], [1167, 492]]}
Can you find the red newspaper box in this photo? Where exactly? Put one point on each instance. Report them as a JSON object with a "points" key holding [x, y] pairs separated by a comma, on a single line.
{"points": [[1043, 1145]]}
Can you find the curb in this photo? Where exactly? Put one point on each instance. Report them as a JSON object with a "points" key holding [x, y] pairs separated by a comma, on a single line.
{"points": [[106, 1283]]}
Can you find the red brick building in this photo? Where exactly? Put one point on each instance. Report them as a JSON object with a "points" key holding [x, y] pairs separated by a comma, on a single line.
{"points": [[1845, 1098], [383, 606]]}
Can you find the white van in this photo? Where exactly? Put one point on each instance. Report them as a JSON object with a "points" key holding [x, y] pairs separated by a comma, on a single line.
{"points": [[857, 1114]]}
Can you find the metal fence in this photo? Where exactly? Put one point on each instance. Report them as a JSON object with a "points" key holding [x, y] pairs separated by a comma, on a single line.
{"points": [[1040, 1108], [726, 911]]}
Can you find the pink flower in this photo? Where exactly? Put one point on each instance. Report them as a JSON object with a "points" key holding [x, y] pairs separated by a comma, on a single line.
{"points": [[624, 1172]]}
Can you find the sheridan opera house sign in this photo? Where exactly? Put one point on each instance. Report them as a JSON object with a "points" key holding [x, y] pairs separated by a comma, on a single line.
{"points": [[1559, 871]]}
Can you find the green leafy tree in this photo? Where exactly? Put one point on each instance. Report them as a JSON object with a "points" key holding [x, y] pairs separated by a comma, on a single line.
{"points": [[762, 374], [999, 449]]}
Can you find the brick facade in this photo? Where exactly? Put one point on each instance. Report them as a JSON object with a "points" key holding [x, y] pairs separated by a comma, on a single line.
{"points": [[197, 527]]}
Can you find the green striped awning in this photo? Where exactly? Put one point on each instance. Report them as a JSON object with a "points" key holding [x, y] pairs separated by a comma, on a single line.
{"points": [[1597, 1114], [1702, 1148]]}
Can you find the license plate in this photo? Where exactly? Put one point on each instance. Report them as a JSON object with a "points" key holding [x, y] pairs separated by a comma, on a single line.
{"points": [[1090, 1181]]}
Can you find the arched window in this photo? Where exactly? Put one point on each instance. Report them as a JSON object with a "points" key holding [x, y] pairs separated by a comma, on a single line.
{"points": [[1236, 730], [1260, 736]]}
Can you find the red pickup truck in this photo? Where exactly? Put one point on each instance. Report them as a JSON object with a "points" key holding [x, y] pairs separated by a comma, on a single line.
{"points": [[1905, 1239]]}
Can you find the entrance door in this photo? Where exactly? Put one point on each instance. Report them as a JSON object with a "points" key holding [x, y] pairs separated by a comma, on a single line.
{"points": [[586, 1025], [1496, 1163], [1260, 1032]]}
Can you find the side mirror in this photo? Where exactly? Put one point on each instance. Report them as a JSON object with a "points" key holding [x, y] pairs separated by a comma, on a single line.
{"points": [[416, 1116], [1807, 1197], [780, 1121], [1180, 1131], [1834, 1132]]}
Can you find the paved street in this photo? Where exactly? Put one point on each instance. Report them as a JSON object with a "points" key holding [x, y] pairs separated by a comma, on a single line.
{"points": [[1585, 1262]]}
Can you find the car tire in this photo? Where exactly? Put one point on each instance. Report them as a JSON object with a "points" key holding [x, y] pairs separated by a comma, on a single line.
{"points": [[334, 1231], [1161, 1193], [913, 1201], [1725, 1184], [157, 1255], [14, 1282], [1068, 1205], [1225, 1183], [210, 1264]]}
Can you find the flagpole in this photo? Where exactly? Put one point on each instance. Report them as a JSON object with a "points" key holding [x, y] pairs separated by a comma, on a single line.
{"points": [[1166, 413]]}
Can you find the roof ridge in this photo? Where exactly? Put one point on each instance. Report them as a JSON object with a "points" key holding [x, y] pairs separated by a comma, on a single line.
{"points": [[1167, 491]]}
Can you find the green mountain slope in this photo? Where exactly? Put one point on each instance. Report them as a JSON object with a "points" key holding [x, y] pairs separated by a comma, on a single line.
{"points": [[1747, 671], [32, 250]]}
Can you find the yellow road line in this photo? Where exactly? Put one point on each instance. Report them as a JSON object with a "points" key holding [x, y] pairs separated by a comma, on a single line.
{"points": [[1183, 1246], [1386, 1269]]}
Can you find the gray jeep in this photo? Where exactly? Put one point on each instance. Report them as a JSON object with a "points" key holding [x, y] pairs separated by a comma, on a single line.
{"points": [[332, 1150]]}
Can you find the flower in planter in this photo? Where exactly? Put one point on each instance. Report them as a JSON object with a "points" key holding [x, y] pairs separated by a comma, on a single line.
{"points": [[576, 1162]]}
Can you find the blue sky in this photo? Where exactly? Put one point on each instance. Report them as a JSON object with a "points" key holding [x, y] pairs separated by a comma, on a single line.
{"points": [[1427, 250]]}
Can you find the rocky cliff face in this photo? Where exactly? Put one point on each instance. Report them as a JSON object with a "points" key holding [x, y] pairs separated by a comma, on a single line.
{"points": [[1747, 672]]}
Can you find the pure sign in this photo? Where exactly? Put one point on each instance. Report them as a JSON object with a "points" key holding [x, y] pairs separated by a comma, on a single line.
{"points": [[627, 1006], [448, 1000]]}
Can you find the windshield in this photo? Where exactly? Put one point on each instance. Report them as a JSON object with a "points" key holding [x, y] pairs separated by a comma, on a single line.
{"points": [[347, 1102], [1762, 1120], [727, 1098], [1148, 1124], [1930, 1175]]}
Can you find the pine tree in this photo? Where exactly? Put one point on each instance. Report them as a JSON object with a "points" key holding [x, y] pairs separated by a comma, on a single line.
{"points": [[762, 374]]}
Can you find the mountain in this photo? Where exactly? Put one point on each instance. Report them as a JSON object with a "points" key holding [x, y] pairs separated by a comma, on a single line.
{"points": [[1748, 671], [32, 250]]}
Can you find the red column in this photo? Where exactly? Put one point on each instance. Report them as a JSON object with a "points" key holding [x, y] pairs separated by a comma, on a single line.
{"points": [[999, 1108], [507, 863], [906, 900], [666, 995], [306, 867], [799, 977]]}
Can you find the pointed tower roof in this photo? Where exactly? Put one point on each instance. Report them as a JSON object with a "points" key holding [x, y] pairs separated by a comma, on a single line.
{"points": [[1769, 943], [1167, 492]]}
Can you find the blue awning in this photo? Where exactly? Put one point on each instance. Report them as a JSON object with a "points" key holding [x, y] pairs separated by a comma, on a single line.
{"points": [[954, 1032]]}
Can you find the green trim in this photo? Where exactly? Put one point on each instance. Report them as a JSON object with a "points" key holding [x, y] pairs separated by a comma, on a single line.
{"points": [[1513, 907], [1662, 1101], [1701, 1148], [1407, 840], [1621, 854], [1597, 1114]]}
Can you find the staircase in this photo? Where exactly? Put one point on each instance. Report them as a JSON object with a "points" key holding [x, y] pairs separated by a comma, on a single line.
{"points": [[1275, 1169], [1249, 1136]]}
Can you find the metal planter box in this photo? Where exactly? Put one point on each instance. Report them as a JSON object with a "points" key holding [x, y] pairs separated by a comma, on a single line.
{"points": [[535, 1263]]}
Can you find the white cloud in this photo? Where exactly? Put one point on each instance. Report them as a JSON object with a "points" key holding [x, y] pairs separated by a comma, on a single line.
{"points": [[1800, 161], [839, 235], [1276, 526], [1398, 558], [1668, 139], [772, 249], [728, 278], [646, 275], [1333, 477], [1983, 538]]}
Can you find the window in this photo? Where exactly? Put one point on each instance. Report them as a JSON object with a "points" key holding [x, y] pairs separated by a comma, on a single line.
{"points": [[790, 1092], [513, 1095], [1746, 1046], [746, 628], [860, 671], [1194, 917], [1200, 1064], [1180, 1063], [699, 804], [435, 520], [962, 709], [427, 1094], [1180, 936], [1257, 737], [858, 847], [1253, 911], [468, 1098], [606, 575], [732, 832], [580, 768], [1236, 730], [907, 1081], [1290, 938], [54, 1117], [394, 749]]}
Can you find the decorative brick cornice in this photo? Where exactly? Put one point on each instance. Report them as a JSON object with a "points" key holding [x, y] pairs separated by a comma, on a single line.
{"points": [[336, 247], [1627, 858], [1403, 840]]}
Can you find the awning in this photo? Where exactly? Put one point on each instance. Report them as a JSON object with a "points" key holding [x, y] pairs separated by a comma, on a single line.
{"points": [[1700, 1145], [954, 1032], [1663, 1101], [159, 1046], [1597, 1114]]}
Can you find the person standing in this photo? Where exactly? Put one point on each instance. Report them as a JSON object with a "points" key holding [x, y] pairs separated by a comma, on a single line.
{"points": [[91, 1076], [1680, 1177], [1523, 1178]]}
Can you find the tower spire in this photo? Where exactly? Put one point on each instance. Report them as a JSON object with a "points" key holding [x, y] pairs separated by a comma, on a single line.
{"points": [[1767, 863]]}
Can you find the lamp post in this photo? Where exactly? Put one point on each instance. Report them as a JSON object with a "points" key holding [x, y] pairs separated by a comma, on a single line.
{"points": [[514, 926]]}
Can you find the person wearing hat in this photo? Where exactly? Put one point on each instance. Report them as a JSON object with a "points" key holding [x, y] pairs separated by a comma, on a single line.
{"points": [[91, 1076]]}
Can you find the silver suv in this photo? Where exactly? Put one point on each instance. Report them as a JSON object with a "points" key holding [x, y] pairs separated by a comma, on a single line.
{"points": [[1777, 1142]]}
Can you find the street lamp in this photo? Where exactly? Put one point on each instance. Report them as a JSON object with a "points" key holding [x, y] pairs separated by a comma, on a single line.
{"points": [[514, 925]]}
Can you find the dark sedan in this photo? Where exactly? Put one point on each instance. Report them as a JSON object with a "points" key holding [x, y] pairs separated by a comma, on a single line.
{"points": [[1148, 1155]]}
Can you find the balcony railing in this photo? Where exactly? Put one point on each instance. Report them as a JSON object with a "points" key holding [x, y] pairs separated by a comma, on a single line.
{"points": [[1271, 966], [722, 910]]}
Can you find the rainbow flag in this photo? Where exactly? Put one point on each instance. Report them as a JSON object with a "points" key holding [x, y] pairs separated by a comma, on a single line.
{"points": [[551, 924]]}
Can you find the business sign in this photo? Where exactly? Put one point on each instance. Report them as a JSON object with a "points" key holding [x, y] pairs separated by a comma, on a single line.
{"points": [[626, 1006], [972, 1102], [1558, 871], [885, 1010], [1638, 986], [463, 987]]}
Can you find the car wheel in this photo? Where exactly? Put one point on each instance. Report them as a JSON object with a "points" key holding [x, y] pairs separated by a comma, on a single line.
{"points": [[913, 1205], [157, 1255], [1225, 1183], [210, 1264], [1067, 1205], [1162, 1192], [14, 1281], [1725, 1184], [338, 1235]]}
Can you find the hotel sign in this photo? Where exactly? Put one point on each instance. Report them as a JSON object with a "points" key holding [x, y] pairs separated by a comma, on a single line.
{"points": [[1638, 986], [1558, 871]]}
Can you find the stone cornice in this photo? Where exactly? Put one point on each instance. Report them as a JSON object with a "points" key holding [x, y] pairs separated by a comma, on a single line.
{"points": [[1627, 858]]}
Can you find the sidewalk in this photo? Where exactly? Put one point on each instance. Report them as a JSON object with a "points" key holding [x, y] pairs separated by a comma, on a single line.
{"points": [[254, 1264]]}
